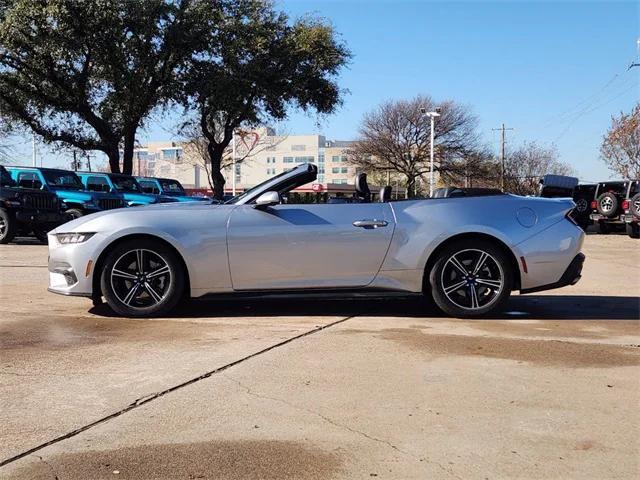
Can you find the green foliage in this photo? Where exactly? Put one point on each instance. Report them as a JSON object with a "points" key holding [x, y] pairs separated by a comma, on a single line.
{"points": [[254, 66], [87, 73]]}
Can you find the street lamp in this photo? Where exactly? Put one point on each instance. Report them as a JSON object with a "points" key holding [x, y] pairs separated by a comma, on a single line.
{"points": [[432, 116]]}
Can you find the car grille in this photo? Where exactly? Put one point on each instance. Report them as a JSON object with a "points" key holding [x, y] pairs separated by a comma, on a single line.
{"points": [[109, 203], [41, 202]]}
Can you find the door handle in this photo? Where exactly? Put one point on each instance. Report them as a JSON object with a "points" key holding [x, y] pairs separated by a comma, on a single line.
{"points": [[370, 223]]}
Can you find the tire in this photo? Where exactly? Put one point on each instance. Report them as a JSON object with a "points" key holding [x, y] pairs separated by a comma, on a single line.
{"points": [[158, 294], [634, 205], [603, 228], [474, 297], [633, 230], [41, 235], [74, 213], [582, 205], [607, 204], [7, 226]]}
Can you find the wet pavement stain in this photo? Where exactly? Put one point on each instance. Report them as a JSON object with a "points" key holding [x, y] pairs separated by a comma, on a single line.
{"points": [[63, 332], [220, 460], [534, 351]]}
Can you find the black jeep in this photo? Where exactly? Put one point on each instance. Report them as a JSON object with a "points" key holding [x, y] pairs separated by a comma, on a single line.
{"points": [[23, 210], [607, 212], [631, 208]]}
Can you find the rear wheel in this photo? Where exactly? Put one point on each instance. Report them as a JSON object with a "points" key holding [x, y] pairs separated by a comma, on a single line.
{"points": [[471, 278], [141, 281], [633, 230], [7, 226]]}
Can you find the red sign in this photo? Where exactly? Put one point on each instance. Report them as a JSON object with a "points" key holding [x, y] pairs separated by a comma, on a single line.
{"points": [[317, 187]]}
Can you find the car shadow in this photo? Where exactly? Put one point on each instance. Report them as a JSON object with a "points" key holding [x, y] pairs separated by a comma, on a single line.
{"points": [[533, 307]]}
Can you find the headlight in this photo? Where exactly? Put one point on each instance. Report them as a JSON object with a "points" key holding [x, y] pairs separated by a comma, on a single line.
{"points": [[67, 238], [12, 203]]}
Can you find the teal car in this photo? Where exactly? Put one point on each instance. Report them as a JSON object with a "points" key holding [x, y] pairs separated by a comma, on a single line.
{"points": [[124, 185], [68, 188], [169, 187]]}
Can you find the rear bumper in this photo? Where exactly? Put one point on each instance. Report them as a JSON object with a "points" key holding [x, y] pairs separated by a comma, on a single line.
{"points": [[596, 217], [571, 276], [629, 218]]}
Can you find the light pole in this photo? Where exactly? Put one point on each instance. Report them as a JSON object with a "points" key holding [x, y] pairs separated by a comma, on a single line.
{"points": [[432, 116], [233, 162]]}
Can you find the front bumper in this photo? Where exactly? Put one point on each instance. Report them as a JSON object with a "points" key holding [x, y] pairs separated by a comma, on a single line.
{"points": [[71, 266], [32, 216], [571, 276]]}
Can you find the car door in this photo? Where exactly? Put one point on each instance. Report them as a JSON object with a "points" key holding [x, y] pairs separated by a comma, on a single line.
{"points": [[308, 245]]}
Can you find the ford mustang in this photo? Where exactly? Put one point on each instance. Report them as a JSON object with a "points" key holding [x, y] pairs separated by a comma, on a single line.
{"points": [[467, 252]]}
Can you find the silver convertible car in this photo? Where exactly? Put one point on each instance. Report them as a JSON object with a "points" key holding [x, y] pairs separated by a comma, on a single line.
{"points": [[467, 252]]}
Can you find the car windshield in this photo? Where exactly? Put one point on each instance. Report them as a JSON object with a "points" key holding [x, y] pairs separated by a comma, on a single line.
{"points": [[62, 179], [247, 193], [171, 186], [125, 184], [5, 179]]}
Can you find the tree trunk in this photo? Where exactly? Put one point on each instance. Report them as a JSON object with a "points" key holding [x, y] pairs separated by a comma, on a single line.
{"points": [[114, 158], [129, 144], [216, 152], [411, 186]]}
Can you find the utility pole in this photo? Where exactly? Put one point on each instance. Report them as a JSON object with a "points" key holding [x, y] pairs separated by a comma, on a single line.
{"points": [[75, 162], [33, 148], [503, 129]]}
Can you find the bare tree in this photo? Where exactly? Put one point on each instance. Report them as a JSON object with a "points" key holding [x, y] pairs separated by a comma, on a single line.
{"points": [[525, 166], [620, 148], [249, 143], [396, 136]]}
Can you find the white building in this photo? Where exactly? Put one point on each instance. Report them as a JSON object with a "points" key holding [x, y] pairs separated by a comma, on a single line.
{"points": [[260, 155]]}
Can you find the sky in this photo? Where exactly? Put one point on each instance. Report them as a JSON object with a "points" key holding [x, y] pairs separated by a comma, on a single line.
{"points": [[555, 72]]}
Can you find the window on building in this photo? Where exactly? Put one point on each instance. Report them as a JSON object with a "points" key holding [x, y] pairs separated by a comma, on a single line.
{"points": [[335, 170], [320, 178], [335, 159], [298, 148], [287, 159], [321, 169], [309, 159], [321, 158], [344, 170], [343, 159], [171, 153]]}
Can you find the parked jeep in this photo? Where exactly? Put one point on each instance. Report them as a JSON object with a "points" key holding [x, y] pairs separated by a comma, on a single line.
{"points": [[607, 212], [167, 187], [23, 211], [126, 186], [583, 195], [631, 208], [68, 188]]}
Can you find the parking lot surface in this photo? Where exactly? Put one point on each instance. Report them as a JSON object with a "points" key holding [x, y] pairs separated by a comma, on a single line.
{"points": [[309, 389]]}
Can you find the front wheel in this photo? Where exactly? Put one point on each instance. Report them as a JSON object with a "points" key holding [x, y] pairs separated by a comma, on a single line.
{"points": [[142, 281], [471, 278], [633, 230], [7, 226]]}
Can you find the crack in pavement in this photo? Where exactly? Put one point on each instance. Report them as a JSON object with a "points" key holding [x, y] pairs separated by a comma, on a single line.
{"points": [[154, 396], [340, 425]]}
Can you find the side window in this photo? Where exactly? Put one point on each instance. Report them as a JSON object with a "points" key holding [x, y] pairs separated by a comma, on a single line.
{"points": [[98, 184], [148, 187], [29, 180]]}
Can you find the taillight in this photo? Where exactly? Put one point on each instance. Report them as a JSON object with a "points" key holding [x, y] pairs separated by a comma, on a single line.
{"points": [[594, 204], [625, 205]]}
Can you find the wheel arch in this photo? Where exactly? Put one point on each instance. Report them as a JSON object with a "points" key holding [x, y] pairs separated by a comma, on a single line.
{"points": [[97, 269], [471, 236]]}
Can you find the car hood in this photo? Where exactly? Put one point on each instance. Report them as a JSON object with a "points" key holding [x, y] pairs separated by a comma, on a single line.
{"points": [[96, 222]]}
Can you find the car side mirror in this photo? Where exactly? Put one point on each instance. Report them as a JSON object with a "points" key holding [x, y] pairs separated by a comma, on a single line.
{"points": [[268, 199]]}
